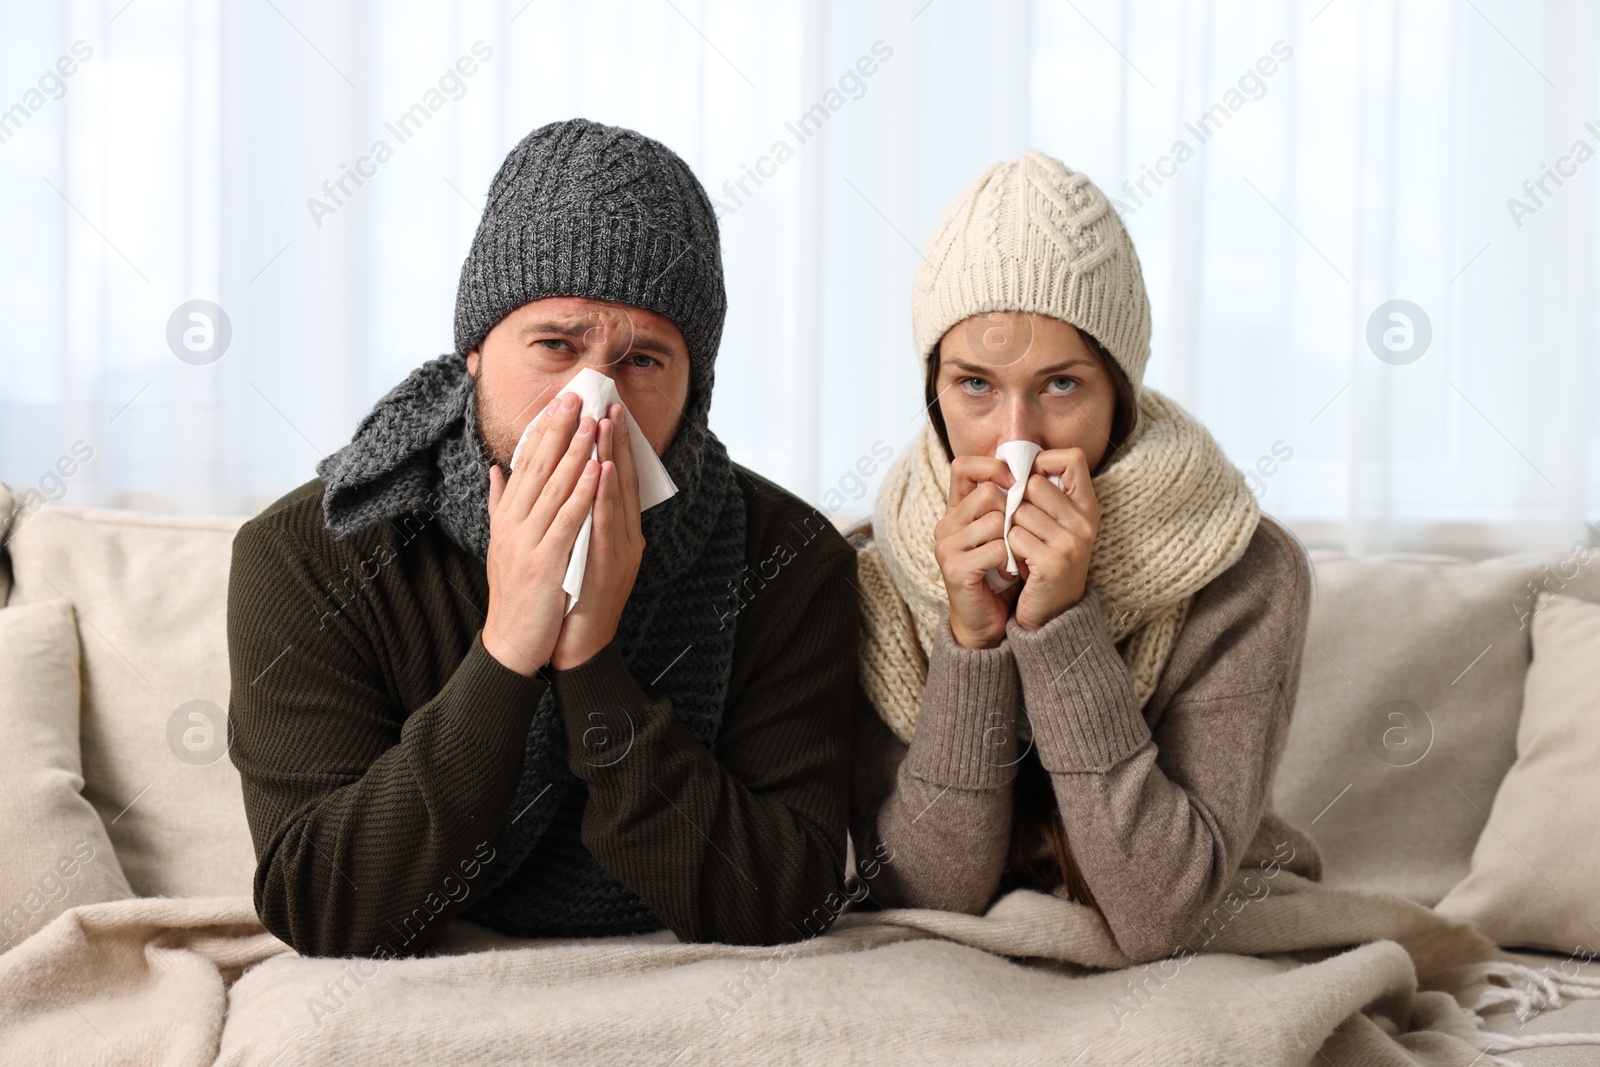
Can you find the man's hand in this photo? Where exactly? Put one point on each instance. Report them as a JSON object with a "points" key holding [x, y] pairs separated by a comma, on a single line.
{"points": [[1053, 532], [968, 543], [616, 546], [534, 519]]}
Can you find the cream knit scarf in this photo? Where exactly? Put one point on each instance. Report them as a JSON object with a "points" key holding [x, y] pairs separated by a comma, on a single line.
{"points": [[1175, 513]]}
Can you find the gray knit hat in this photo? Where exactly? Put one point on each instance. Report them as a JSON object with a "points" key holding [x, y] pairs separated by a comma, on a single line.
{"points": [[582, 209]]}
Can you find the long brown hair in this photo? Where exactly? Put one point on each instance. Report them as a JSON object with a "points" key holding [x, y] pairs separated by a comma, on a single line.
{"points": [[1040, 856]]}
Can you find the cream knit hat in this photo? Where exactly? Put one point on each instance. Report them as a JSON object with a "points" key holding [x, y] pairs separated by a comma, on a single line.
{"points": [[1033, 235]]}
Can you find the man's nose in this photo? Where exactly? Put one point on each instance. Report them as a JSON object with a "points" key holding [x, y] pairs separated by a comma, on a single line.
{"points": [[606, 344]]}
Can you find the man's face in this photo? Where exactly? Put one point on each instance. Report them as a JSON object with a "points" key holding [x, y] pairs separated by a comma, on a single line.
{"points": [[532, 352]]}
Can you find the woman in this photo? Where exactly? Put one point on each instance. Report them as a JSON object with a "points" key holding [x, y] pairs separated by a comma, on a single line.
{"points": [[1107, 725]]}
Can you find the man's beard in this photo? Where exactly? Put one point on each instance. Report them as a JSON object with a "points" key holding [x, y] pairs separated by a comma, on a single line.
{"points": [[497, 439]]}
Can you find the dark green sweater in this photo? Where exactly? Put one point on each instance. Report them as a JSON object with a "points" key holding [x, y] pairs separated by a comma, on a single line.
{"points": [[379, 743]]}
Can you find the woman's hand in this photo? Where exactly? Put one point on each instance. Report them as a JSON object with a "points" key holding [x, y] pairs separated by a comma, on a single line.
{"points": [[534, 519], [616, 546], [967, 543], [1053, 532]]}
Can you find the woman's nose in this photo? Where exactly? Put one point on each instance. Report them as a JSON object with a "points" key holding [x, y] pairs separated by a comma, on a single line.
{"points": [[1018, 421]]}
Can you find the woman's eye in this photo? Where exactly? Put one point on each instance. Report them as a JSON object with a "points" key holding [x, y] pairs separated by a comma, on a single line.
{"points": [[974, 385], [1061, 384]]}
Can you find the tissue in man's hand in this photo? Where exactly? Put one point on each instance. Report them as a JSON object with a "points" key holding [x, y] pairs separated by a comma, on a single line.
{"points": [[1018, 455], [596, 393]]}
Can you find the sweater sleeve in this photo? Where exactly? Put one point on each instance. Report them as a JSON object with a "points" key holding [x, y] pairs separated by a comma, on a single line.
{"points": [[1158, 822], [933, 820], [371, 825], [746, 846]]}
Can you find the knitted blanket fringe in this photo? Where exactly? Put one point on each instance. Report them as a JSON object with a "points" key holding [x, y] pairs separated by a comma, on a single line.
{"points": [[1537, 992]]}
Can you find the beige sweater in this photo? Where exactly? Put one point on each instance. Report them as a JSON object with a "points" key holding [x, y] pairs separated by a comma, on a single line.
{"points": [[1161, 808]]}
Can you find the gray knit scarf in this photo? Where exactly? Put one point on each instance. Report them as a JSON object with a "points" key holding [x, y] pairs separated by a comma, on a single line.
{"points": [[419, 450]]}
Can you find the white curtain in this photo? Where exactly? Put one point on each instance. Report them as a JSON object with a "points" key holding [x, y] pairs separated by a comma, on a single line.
{"points": [[1286, 170]]}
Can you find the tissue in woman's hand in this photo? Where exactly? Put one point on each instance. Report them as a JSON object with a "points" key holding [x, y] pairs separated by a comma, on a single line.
{"points": [[1018, 455], [596, 393]]}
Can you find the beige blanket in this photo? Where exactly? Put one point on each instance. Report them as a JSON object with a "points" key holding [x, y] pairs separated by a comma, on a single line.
{"points": [[1275, 980]]}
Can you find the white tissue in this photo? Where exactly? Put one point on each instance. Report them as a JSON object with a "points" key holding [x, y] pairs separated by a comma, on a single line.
{"points": [[1018, 455], [596, 393]]}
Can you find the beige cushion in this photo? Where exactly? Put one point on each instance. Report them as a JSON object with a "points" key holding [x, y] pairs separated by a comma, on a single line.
{"points": [[1389, 636], [151, 599], [54, 853], [1537, 861]]}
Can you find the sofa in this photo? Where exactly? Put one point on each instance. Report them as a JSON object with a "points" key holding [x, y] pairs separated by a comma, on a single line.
{"points": [[1406, 728]]}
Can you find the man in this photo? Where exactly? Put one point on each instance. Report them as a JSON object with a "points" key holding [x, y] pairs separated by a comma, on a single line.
{"points": [[422, 733]]}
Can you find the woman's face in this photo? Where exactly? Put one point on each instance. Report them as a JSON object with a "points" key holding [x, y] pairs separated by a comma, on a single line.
{"points": [[1011, 375]]}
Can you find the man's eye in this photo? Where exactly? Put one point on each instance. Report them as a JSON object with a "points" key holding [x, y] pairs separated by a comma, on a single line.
{"points": [[643, 361], [554, 344]]}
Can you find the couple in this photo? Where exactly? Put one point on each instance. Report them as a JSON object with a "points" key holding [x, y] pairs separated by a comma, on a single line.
{"points": [[424, 732]]}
